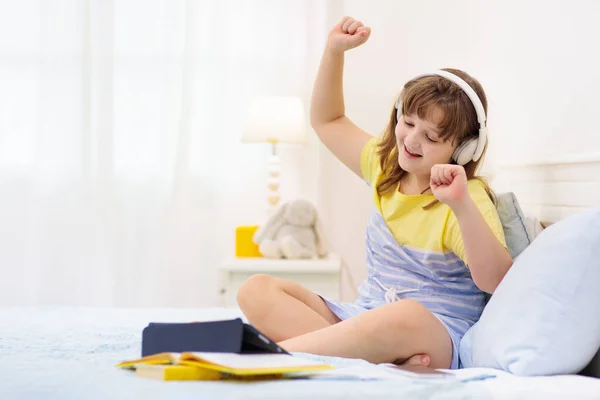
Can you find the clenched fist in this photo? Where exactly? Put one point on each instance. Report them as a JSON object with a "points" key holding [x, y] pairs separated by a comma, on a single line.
{"points": [[348, 34], [448, 182]]}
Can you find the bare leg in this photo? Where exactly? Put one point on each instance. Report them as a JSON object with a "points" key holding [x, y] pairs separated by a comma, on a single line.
{"points": [[392, 332], [282, 309]]}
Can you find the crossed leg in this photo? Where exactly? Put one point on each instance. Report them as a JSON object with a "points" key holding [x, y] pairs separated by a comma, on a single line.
{"points": [[392, 333], [402, 332]]}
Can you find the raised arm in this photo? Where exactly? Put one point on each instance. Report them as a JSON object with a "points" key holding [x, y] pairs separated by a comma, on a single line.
{"points": [[327, 113]]}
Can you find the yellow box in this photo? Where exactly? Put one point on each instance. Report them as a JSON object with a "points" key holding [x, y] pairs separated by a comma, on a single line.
{"points": [[244, 246]]}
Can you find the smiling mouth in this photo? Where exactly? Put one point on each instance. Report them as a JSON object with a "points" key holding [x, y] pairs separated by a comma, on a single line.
{"points": [[413, 155]]}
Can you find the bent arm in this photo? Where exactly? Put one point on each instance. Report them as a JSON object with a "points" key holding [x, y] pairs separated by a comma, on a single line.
{"points": [[487, 257]]}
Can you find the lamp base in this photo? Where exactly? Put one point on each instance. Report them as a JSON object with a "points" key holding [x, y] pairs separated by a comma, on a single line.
{"points": [[274, 181]]}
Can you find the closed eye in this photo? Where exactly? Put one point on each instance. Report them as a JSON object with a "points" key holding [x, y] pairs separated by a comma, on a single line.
{"points": [[408, 124], [430, 139]]}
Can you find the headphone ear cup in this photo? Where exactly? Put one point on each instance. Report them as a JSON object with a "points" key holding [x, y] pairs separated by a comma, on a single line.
{"points": [[464, 153]]}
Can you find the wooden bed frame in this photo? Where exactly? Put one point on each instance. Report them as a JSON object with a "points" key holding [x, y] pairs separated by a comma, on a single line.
{"points": [[552, 190]]}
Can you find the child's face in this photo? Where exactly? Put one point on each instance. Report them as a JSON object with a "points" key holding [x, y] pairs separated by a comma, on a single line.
{"points": [[419, 146]]}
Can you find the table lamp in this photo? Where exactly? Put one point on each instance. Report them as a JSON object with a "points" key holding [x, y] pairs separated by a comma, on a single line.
{"points": [[274, 120]]}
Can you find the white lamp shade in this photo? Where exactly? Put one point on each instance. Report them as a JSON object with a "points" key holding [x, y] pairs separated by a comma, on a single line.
{"points": [[275, 119]]}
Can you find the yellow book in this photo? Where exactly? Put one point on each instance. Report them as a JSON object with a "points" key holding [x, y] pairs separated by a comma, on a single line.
{"points": [[176, 373], [234, 365], [191, 373]]}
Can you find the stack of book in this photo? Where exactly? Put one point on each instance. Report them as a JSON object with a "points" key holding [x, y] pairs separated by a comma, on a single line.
{"points": [[221, 366], [215, 350]]}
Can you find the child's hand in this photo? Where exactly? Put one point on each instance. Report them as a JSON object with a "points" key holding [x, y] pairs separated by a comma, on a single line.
{"points": [[348, 34], [448, 183]]}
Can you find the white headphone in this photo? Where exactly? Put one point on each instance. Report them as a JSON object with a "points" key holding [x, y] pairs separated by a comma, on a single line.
{"points": [[471, 149]]}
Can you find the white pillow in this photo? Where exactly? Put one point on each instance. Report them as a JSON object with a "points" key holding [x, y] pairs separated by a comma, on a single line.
{"points": [[544, 317]]}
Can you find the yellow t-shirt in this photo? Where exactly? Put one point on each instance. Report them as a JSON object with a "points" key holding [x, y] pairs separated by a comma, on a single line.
{"points": [[435, 229]]}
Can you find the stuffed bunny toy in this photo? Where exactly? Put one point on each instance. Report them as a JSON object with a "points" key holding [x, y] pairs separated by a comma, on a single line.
{"points": [[292, 231]]}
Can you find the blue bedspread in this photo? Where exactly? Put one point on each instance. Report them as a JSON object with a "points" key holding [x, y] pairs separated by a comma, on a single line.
{"points": [[70, 353]]}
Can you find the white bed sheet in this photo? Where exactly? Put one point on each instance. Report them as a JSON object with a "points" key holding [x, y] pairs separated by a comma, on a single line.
{"points": [[507, 386], [70, 353]]}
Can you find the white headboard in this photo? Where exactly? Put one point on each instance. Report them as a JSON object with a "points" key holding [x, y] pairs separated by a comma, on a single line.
{"points": [[552, 190]]}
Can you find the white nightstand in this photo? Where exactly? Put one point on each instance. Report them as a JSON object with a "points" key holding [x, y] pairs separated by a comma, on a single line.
{"points": [[321, 276]]}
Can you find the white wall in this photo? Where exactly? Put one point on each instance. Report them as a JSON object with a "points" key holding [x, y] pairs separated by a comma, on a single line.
{"points": [[538, 62], [122, 172]]}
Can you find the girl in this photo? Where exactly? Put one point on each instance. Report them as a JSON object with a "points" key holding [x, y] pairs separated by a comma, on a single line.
{"points": [[435, 243]]}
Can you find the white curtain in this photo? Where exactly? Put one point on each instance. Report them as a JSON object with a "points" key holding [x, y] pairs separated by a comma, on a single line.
{"points": [[122, 175]]}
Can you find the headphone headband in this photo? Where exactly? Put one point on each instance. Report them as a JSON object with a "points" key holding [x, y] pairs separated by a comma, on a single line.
{"points": [[477, 104]]}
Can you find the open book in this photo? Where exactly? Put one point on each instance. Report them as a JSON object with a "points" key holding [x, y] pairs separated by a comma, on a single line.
{"points": [[215, 366]]}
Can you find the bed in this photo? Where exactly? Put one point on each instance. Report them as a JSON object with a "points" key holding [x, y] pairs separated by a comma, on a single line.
{"points": [[71, 352]]}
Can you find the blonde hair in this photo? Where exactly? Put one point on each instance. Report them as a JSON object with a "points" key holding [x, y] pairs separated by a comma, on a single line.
{"points": [[459, 123]]}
